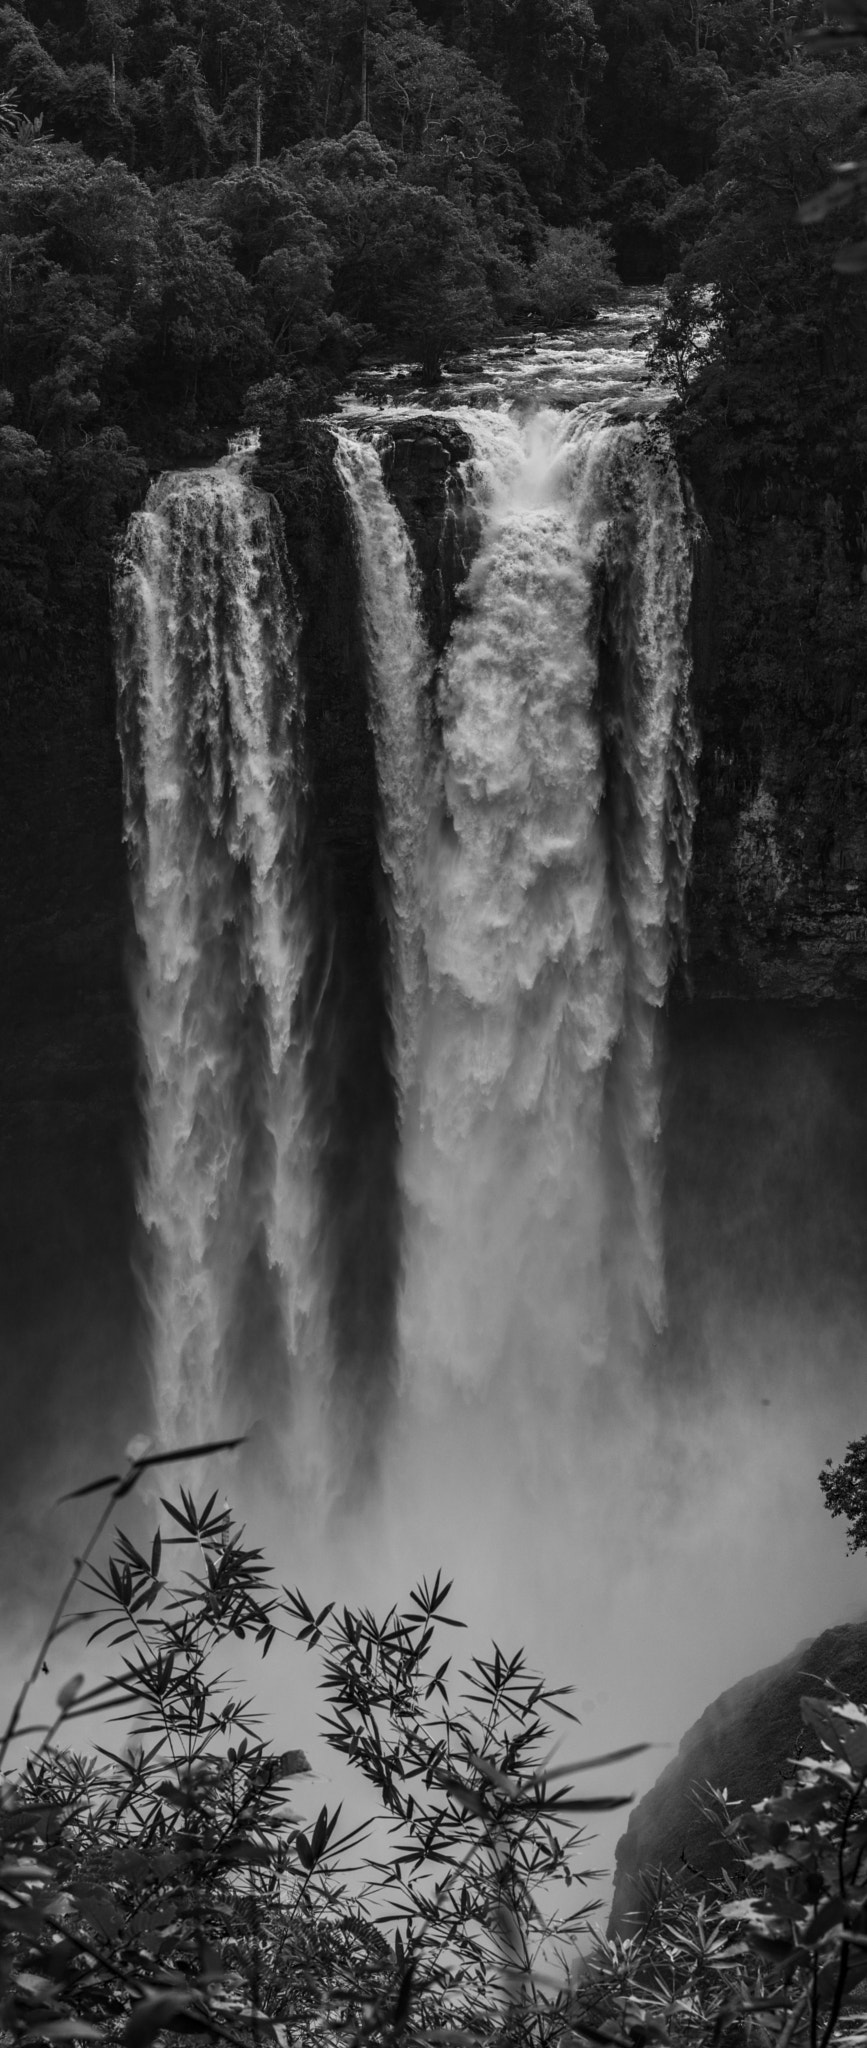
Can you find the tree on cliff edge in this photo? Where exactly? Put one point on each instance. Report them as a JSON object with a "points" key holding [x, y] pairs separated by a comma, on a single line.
{"points": [[845, 1489]]}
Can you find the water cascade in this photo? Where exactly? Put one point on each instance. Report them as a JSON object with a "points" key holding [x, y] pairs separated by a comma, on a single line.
{"points": [[549, 900], [209, 721], [535, 809]]}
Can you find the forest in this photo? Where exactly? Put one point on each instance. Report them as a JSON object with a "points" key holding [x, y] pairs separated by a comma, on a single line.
{"points": [[213, 209]]}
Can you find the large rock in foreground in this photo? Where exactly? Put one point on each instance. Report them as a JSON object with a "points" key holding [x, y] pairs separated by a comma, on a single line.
{"points": [[742, 1745]]}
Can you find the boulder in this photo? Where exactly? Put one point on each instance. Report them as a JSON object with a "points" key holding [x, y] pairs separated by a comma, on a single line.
{"points": [[741, 1744]]}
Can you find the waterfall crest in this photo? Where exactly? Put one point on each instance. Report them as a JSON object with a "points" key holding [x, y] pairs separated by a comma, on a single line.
{"points": [[209, 726]]}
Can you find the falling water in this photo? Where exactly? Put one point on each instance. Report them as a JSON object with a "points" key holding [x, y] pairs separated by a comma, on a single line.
{"points": [[209, 731], [536, 804], [554, 862]]}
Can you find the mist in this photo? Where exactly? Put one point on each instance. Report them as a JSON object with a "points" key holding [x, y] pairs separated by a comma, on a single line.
{"points": [[672, 1537]]}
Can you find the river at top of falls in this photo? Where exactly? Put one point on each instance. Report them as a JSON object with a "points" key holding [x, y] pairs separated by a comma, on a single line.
{"points": [[552, 756], [603, 362]]}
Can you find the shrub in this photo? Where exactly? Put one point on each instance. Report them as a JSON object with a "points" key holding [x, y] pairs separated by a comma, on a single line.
{"points": [[166, 1885], [774, 1956], [572, 277], [845, 1489]]}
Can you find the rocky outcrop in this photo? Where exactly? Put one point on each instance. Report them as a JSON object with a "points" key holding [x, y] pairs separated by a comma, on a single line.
{"points": [[350, 1080], [778, 896], [741, 1744], [421, 467]]}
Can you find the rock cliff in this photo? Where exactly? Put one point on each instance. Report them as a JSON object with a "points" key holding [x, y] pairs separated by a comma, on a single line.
{"points": [[421, 468], [741, 1744], [778, 899], [350, 1069]]}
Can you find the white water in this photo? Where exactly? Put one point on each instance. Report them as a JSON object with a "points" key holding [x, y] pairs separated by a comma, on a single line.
{"points": [[535, 821], [209, 714], [547, 883], [603, 364]]}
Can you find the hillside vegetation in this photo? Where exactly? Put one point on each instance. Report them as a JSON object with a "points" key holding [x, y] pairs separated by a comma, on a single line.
{"points": [[162, 1885], [212, 209], [199, 196]]}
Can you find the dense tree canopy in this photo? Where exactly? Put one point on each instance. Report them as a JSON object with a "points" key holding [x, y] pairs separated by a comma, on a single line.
{"points": [[203, 193], [205, 199]]}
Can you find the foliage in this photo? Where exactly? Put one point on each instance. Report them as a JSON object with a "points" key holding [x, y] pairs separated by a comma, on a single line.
{"points": [[406, 259], [572, 276], [477, 1842], [847, 28], [845, 1489], [756, 324], [774, 1955], [164, 1883]]}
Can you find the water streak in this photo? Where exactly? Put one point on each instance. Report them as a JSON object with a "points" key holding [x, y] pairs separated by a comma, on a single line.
{"points": [[209, 732]]}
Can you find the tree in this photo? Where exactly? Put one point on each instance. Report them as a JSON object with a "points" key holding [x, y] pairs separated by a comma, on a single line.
{"points": [[772, 336], [549, 59], [111, 34], [258, 70], [572, 277], [165, 1884], [407, 260], [845, 1489], [77, 258], [846, 29], [341, 36], [202, 312], [190, 136]]}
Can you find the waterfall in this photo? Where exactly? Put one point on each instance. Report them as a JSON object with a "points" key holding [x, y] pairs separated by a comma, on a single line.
{"points": [[536, 800], [209, 727], [550, 903], [399, 664]]}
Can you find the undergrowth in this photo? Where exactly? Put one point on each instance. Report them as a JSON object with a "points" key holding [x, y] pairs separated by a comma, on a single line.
{"points": [[163, 1882]]}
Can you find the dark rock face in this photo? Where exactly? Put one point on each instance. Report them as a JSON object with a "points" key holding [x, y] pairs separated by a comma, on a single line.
{"points": [[420, 466], [350, 1069], [741, 1745], [350, 1064], [68, 1116], [779, 885]]}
